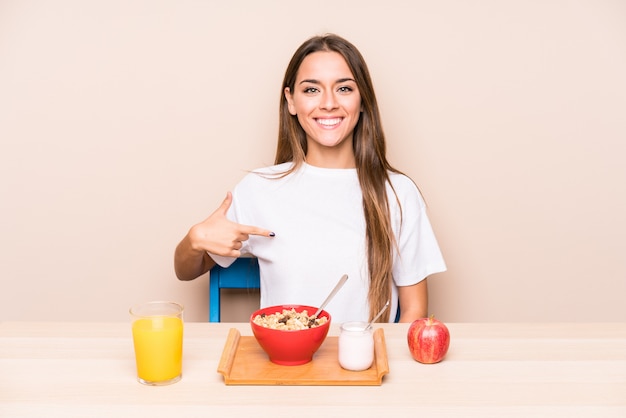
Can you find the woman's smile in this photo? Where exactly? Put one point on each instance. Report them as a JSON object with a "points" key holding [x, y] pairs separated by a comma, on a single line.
{"points": [[329, 122]]}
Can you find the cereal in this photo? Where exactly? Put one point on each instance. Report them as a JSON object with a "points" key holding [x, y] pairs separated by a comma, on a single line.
{"points": [[288, 320]]}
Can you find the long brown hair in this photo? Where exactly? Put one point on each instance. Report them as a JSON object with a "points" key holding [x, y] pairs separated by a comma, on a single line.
{"points": [[371, 161]]}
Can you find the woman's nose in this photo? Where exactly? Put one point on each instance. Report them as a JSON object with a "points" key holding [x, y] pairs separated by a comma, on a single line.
{"points": [[329, 101]]}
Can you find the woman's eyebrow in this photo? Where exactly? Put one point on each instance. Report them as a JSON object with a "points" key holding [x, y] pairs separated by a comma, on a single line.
{"points": [[313, 81]]}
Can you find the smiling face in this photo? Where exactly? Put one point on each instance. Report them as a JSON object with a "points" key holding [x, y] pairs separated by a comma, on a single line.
{"points": [[327, 102]]}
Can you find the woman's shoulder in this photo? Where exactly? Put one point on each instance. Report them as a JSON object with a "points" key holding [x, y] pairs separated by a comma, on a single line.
{"points": [[405, 187], [398, 179], [262, 174], [276, 169], [269, 171]]}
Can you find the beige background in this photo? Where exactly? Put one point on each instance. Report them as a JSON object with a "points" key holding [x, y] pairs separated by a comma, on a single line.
{"points": [[123, 122]]}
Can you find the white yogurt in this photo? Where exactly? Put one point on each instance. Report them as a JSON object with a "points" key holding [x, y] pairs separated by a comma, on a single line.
{"points": [[356, 346]]}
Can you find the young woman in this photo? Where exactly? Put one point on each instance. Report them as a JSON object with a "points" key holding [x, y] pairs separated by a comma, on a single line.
{"points": [[331, 204]]}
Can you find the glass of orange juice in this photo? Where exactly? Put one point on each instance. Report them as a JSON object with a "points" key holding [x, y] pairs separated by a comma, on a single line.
{"points": [[158, 340]]}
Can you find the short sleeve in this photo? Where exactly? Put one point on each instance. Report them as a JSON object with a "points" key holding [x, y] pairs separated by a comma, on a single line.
{"points": [[419, 255]]}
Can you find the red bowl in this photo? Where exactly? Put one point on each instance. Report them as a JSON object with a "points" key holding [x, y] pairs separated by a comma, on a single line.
{"points": [[290, 347]]}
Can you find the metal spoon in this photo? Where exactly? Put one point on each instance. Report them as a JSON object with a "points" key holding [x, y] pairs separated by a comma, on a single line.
{"points": [[330, 296], [377, 315]]}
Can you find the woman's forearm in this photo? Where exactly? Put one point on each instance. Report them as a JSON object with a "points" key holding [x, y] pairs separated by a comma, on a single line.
{"points": [[190, 263]]}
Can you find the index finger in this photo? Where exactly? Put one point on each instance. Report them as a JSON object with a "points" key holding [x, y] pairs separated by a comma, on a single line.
{"points": [[255, 230]]}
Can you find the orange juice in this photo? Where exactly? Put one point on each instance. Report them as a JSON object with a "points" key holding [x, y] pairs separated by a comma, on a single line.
{"points": [[158, 348]]}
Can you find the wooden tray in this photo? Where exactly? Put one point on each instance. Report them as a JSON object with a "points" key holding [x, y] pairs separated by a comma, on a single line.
{"points": [[244, 362]]}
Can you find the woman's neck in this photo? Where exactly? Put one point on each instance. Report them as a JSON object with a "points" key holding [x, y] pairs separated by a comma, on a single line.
{"points": [[325, 157]]}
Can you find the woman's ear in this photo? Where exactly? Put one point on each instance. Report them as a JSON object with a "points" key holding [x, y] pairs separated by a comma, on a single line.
{"points": [[290, 105]]}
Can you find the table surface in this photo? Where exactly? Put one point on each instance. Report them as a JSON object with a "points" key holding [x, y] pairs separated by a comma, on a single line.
{"points": [[74, 369]]}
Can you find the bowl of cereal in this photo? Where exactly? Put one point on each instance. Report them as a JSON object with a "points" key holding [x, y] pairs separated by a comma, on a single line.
{"points": [[288, 334]]}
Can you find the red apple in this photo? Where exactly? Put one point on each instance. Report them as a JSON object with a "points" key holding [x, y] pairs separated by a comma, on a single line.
{"points": [[428, 340]]}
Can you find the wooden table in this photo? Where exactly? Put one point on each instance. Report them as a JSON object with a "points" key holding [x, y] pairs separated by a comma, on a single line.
{"points": [[500, 370]]}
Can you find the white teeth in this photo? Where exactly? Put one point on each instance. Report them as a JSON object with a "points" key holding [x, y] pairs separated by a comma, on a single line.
{"points": [[329, 122]]}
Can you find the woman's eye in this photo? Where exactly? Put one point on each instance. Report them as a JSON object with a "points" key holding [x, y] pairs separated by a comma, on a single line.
{"points": [[345, 89], [309, 90]]}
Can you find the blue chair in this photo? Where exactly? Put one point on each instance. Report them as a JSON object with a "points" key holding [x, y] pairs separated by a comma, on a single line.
{"points": [[242, 274]]}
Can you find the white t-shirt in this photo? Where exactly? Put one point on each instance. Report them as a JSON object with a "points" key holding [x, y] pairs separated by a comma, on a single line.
{"points": [[317, 216]]}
